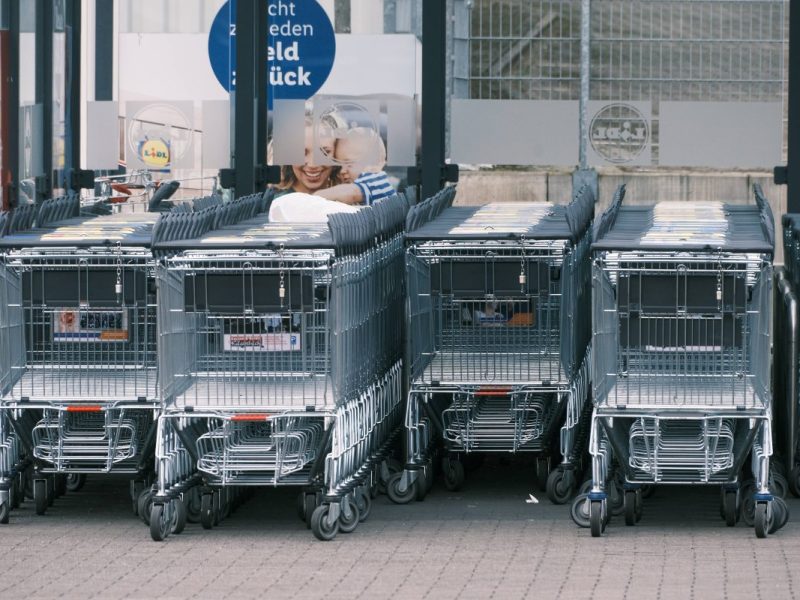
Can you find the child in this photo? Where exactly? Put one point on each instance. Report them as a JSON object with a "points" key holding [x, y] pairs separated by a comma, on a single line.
{"points": [[362, 156]]}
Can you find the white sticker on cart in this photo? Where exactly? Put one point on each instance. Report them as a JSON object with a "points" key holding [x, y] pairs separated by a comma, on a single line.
{"points": [[262, 342], [90, 326]]}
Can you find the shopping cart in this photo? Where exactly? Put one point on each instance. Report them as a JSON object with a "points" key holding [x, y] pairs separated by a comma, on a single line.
{"points": [[280, 365], [681, 357], [78, 389], [497, 338], [78, 335], [786, 374]]}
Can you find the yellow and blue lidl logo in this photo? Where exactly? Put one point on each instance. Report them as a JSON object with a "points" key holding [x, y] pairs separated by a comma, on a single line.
{"points": [[154, 152]]}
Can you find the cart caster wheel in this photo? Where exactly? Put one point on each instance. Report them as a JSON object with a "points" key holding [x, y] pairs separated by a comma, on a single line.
{"points": [[394, 467], [780, 512], [763, 519], [192, 502], [320, 527], [75, 481], [40, 495], [310, 505], [364, 505], [630, 506], [143, 505], [580, 511], [207, 510], [51, 491], [543, 472], [616, 498], [394, 493], [301, 506], [597, 518], [730, 508], [560, 486], [160, 523], [794, 481], [5, 511], [178, 516], [453, 475], [20, 491], [137, 486], [778, 485], [421, 486], [349, 525], [13, 495]]}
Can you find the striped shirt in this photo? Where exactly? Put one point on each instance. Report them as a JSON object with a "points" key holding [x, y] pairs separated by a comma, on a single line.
{"points": [[374, 186]]}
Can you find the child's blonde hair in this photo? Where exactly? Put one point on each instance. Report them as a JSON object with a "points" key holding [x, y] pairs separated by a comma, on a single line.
{"points": [[372, 146]]}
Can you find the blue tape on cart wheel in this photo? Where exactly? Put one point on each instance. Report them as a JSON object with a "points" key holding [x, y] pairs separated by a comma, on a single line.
{"points": [[301, 42]]}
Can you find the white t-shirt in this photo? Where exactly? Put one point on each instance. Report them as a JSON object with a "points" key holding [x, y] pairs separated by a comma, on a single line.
{"points": [[305, 208]]}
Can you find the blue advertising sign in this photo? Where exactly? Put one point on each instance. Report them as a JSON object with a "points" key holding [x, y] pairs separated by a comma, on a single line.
{"points": [[301, 48]]}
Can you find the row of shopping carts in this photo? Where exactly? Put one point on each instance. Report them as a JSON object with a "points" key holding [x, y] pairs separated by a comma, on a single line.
{"points": [[206, 351]]}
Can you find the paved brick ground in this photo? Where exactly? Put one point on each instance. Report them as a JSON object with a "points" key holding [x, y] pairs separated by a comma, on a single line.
{"points": [[483, 542]]}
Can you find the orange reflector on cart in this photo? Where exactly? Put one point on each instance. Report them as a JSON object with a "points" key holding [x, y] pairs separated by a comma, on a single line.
{"points": [[251, 417], [84, 408]]}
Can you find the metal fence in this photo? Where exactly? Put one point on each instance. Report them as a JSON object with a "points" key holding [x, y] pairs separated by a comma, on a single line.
{"points": [[645, 51]]}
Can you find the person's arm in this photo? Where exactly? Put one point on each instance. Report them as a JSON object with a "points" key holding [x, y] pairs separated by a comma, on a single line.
{"points": [[348, 193]]}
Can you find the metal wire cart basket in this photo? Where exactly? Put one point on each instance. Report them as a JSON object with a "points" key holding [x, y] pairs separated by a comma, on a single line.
{"points": [[497, 338], [280, 362], [681, 365], [78, 379]]}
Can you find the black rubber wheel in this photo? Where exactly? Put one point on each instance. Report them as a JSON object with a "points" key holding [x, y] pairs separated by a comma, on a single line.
{"points": [[639, 511], [191, 500], [207, 510], [364, 505], [394, 493], [51, 491], [453, 475], [321, 529], [421, 486], [13, 494], [300, 505], [762, 521], [560, 486], [794, 481], [75, 481], [730, 508], [40, 495], [136, 488], [5, 511], [310, 506], [616, 498], [580, 511], [394, 467], [159, 522], [349, 525], [778, 485], [780, 514], [630, 507], [178, 516], [216, 507], [542, 471], [596, 518], [143, 505], [431, 473]]}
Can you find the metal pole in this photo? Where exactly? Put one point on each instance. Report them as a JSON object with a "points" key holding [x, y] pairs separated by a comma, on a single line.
{"points": [[244, 97], [434, 71], [586, 32], [11, 105], [72, 135], [793, 138], [44, 94], [104, 50]]}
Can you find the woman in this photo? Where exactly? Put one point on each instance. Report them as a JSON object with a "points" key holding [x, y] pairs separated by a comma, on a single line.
{"points": [[310, 177]]}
